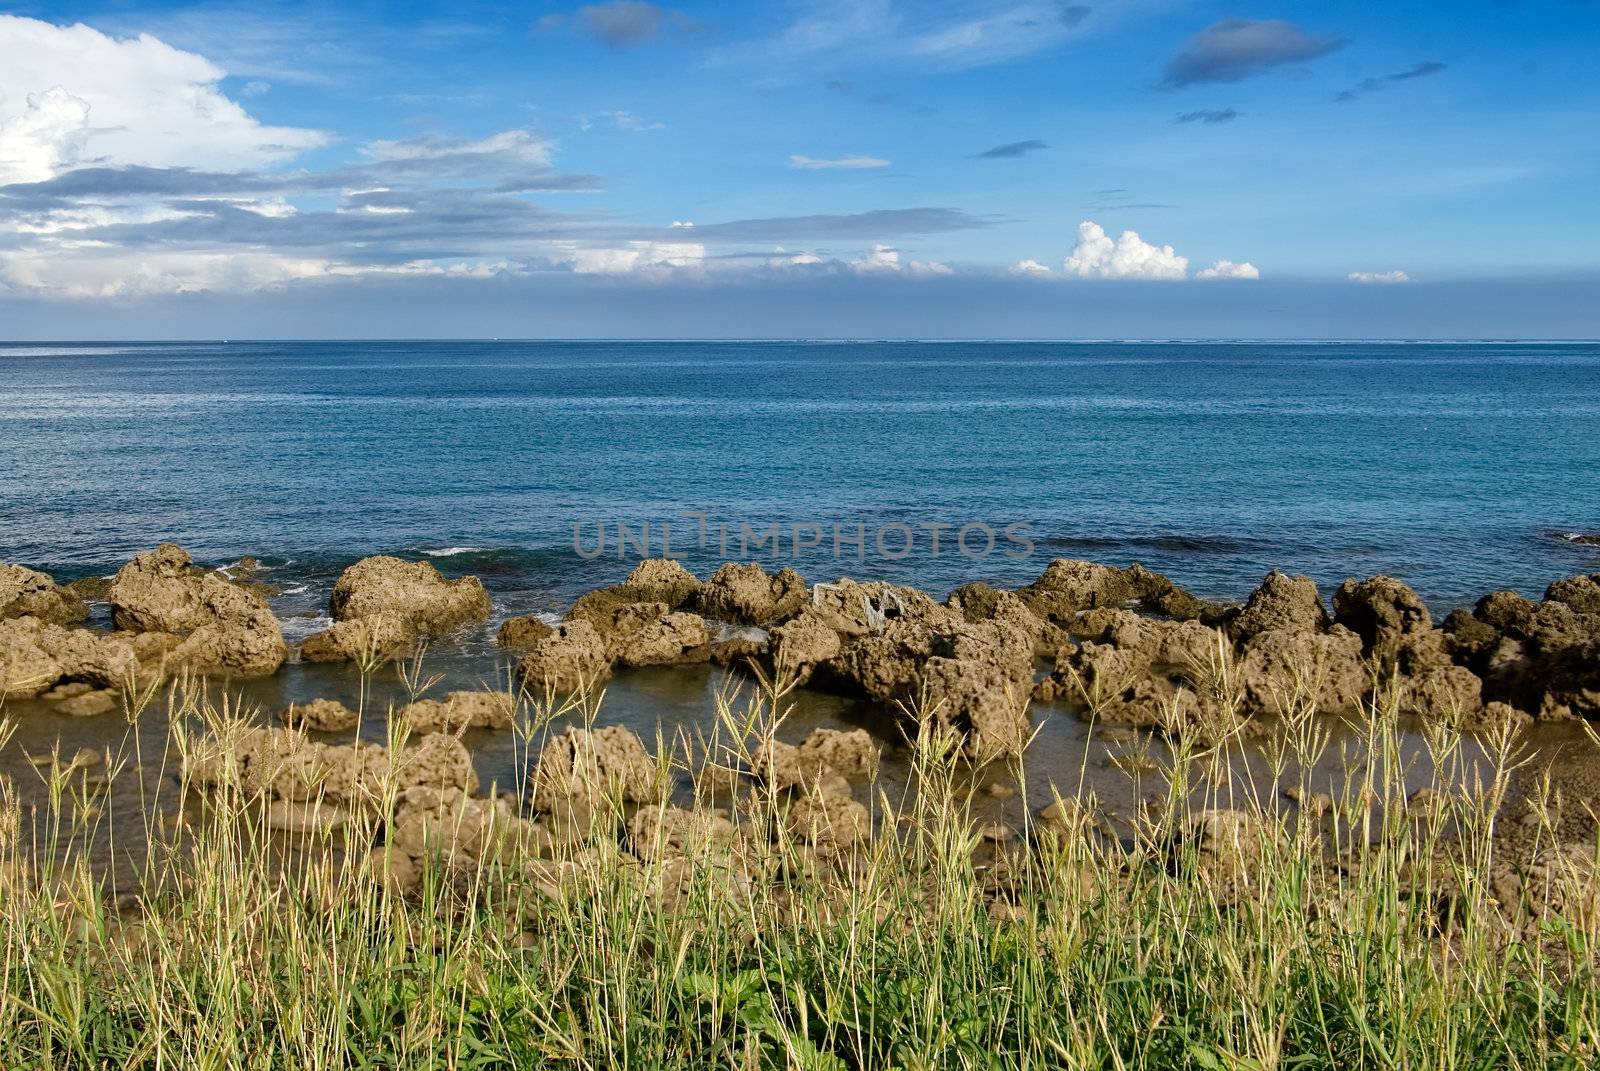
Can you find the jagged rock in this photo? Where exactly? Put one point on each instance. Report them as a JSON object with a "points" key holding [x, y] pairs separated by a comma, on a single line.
{"points": [[975, 602], [982, 701], [1383, 611], [460, 710], [573, 658], [91, 588], [744, 594], [321, 716], [644, 633], [848, 752], [27, 592], [830, 825], [523, 633], [227, 628], [658, 832], [458, 830], [250, 648], [35, 656], [413, 593], [1068, 586], [1230, 849], [1472, 642], [285, 764], [1288, 603], [671, 639], [1187, 645], [439, 760], [1094, 673], [663, 580], [1582, 593], [825, 754], [375, 639], [1508, 612], [1286, 672], [1447, 693], [595, 767], [803, 643], [1158, 592]]}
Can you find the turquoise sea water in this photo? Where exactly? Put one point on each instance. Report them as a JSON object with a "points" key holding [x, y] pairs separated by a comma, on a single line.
{"points": [[1459, 467]]}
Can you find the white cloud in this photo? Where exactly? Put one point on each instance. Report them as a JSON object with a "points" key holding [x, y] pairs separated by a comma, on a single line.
{"points": [[1227, 269], [72, 93], [635, 257], [886, 259], [1379, 278], [782, 258], [1096, 256], [847, 163], [1030, 267]]}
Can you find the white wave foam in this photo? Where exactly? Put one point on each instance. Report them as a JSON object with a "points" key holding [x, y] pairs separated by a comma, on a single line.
{"points": [[298, 589], [296, 629], [449, 552]]}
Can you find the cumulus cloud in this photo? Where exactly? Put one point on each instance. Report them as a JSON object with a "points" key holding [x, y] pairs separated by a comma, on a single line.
{"points": [[886, 259], [1096, 256], [1029, 267], [1234, 49], [1011, 150], [71, 93], [635, 257], [845, 163], [1379, 278], [1227, 269]]}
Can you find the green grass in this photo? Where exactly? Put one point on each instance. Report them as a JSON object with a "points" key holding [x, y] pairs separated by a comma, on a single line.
{"points": [[1372, 938]]}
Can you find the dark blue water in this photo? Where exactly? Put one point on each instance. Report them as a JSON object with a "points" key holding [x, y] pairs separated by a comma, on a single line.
{"points": [[1457, 467]]}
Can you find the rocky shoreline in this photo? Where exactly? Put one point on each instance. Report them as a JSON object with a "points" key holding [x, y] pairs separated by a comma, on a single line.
{"points": [[1123, 645], [1119, 646]]}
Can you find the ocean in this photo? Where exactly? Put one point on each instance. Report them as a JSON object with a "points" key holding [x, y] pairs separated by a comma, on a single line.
{"points": [[1460, 467]]}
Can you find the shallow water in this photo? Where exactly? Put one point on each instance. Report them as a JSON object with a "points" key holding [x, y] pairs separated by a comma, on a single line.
{"points": [[1460, 468]]}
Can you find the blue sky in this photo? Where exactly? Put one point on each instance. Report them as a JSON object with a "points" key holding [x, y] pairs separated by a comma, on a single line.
{"points": [[624, 167]]}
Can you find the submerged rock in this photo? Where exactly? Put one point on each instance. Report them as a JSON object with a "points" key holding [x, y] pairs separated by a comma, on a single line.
{"points": [[285, 764], [460, 710], [321, 716], [27, 592], [522, 633], [36, 656]]}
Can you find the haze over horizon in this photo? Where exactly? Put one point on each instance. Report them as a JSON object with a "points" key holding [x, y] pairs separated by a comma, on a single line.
{"points": [[960, 168]]}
